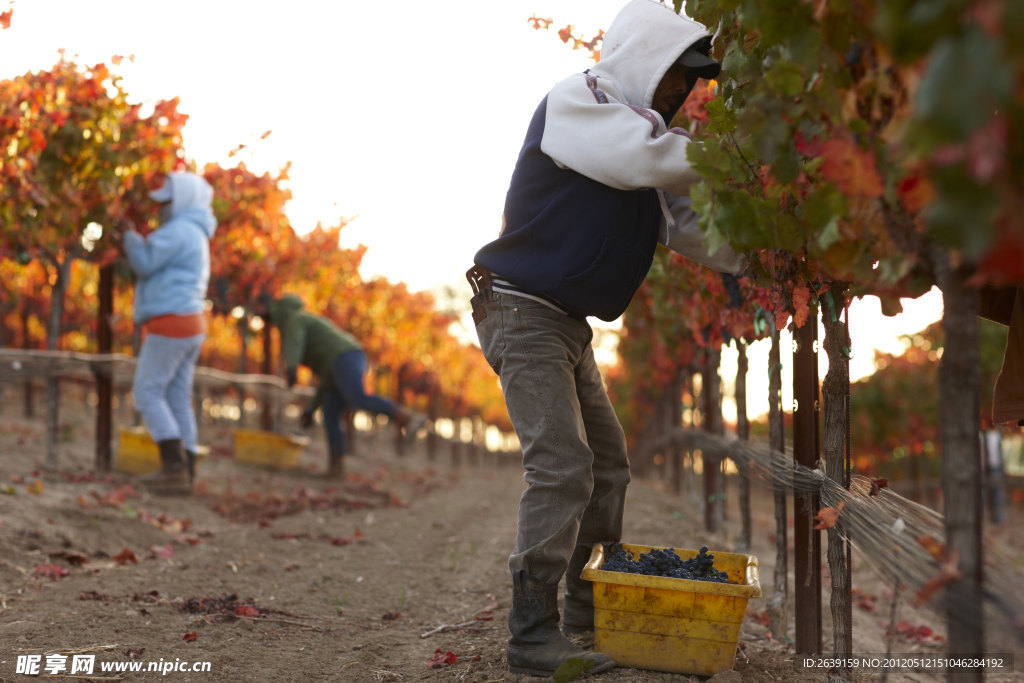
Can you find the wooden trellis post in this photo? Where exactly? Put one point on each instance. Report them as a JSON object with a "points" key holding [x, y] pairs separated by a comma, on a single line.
{"points": [[962, 478], [743, 434], [778, 603], [266, 412], [713, 486], [807, 541], [104, 372], [835, 390]]}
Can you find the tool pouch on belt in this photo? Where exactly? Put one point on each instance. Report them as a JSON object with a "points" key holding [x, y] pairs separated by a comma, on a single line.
{"points": [[480, 281]]}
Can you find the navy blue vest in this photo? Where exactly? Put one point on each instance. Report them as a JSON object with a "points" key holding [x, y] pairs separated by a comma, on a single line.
{"points": [[580, 242]]}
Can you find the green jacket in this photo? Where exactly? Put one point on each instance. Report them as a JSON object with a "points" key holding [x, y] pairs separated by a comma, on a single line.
{"points": [[311, 340]]}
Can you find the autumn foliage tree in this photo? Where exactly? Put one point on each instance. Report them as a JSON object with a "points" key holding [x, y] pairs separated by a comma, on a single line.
{"points": [[79, 161], [78, 154]]}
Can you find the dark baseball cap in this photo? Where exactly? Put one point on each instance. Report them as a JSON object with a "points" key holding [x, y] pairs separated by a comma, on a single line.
{"points": [[697, 59]]}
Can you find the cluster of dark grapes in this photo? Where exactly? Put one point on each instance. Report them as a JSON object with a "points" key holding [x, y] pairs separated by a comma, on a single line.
{"points": [[732, 289], [664, 562]]}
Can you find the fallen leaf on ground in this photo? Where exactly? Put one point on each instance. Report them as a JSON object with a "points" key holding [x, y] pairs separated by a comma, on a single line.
{"points": [[125, 556], [247, 611], [51, 571], [442, 660]]}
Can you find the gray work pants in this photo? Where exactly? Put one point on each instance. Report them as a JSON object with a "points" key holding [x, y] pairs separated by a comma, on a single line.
{"points": [[574, 450]]}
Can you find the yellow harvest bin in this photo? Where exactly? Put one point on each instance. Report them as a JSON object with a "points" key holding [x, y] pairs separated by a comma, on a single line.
{"points": [[269, 449], [665, 624], [137, 453]]}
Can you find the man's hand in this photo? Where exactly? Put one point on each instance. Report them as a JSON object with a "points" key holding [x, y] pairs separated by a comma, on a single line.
{"points": [[306, 419], [291, 375]]}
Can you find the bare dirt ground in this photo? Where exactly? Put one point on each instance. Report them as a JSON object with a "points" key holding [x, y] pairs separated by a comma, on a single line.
{"points": [[278, 575]]}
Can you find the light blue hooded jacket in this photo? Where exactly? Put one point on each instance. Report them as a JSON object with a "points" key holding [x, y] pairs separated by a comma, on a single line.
{"points": [[173, 264]]}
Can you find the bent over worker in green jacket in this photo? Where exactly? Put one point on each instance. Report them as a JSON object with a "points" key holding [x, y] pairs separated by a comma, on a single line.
{"points": [[338, 361]]}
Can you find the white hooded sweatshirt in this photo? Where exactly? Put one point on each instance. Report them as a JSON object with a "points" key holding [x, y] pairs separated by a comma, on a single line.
{"points": [[601, 179]]}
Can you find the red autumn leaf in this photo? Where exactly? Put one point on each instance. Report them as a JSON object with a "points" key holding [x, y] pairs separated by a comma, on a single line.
{"points": [[247, 611], [51, 571], [190, 637], [851, 168], [126, 556], [162, 552], [390, 616], [781, 317], [828, 516], [809, 148], [877, 485], [358, 534], [915, 192], [5, 19], [1005, 260], [935, 549], [442, 660], [72, 557], [801, 304]]}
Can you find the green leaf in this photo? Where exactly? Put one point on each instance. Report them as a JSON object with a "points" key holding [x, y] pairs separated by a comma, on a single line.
{"points": [[720, 119], [711, 161], [571, 669], [785, 78], [788, 231], [735, 61], [737, 217], [786, 164], [967, 79], [911, 27], [822, 206], [829, 235]]}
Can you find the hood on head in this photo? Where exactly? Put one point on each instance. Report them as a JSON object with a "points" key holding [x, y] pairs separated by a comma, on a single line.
{"points": [[643, 41], [283, 308], [188, 192]]}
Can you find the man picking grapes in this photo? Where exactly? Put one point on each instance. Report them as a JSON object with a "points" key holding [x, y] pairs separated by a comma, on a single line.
{"points": [[601, 180]]}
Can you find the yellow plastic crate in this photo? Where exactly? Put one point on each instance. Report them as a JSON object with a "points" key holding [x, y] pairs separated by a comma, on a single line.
{"points": [[666, 624], [269, 449], [137, 453]]}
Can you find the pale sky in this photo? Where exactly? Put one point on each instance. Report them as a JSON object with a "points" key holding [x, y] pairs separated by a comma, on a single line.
{"points": [[407, 116]]}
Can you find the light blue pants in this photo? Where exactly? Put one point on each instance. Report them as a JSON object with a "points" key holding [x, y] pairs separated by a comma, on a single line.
{"points": [[163, 387], [574, 450]]}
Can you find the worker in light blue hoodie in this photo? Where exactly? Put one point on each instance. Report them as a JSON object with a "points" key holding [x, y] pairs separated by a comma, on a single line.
{"points": [[601, 180], [172, 268]]}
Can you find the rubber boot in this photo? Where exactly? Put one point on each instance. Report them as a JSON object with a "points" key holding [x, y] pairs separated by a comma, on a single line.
{"points": [[536, 646], [335, 466], [190, 462], [173, 478], [579, 596]]}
